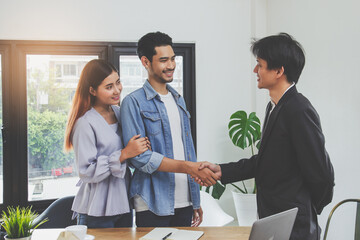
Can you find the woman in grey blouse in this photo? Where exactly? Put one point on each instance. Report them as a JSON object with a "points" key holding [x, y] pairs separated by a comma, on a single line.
{"points": [[93, 131]]}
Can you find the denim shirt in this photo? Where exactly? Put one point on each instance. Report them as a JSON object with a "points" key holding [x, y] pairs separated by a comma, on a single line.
{"points": [[143, 112]]}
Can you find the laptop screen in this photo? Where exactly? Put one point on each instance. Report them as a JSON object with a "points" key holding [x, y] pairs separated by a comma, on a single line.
{"points": [[274, 227]]}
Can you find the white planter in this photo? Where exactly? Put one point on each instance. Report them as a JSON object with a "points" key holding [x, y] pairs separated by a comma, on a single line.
{"points": [[246, 208], [23, 238]]}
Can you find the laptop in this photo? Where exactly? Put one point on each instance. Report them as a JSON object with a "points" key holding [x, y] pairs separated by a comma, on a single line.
{"points": [[274, 227]]}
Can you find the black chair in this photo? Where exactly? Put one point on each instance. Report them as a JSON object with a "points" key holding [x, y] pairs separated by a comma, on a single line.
{"points": [[58, 213], [357, 218]]}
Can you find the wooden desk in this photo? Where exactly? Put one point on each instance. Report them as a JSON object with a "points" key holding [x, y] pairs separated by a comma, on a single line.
{"points": [[210, 233]]}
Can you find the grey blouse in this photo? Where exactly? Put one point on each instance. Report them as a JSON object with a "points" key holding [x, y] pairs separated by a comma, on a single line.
{"points": [[104, 181]]}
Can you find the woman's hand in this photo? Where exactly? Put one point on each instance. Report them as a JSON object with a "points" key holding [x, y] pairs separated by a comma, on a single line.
{"points": [[135, 146]]}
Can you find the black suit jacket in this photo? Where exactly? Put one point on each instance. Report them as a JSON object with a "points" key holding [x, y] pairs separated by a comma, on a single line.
{"points": [[292, 168]]}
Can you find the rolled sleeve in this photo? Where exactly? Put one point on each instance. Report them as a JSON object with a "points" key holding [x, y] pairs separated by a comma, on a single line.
{"points": [[153, 164]]}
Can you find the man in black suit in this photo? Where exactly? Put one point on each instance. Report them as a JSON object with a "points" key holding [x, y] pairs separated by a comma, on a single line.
{"points": [[292, 168]]}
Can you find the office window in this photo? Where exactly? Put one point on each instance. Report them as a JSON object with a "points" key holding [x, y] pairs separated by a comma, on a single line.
{"points": [[49, 96], [39, 79]]}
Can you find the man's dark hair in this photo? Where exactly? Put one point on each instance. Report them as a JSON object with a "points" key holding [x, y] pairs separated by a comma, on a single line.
{"points": [[281, 50], [147, 44]]}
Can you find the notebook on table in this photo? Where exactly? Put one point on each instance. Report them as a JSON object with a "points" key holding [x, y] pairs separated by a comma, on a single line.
{"points": [[172, 234], [274, 227]]}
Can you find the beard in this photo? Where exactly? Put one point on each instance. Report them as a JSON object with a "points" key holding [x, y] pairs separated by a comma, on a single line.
{"points": [[162, 79]]}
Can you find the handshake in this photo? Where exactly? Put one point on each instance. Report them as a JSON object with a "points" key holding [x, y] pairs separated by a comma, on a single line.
{"points": [[204, 173]]}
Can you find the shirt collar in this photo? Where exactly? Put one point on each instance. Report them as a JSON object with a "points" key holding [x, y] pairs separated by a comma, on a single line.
{"points": [[293, 84], [151, 93], [272, 102]]}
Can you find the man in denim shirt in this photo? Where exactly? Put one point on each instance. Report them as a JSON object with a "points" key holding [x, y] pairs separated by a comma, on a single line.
{"points": [[164, 195]]}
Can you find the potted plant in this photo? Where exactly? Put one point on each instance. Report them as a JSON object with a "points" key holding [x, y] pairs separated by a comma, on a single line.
{"points": [[244, 131], [19, 222]]}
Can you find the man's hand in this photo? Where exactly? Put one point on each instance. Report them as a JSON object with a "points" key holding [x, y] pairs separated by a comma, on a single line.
{"points": [[205, 175], [197, 217], [213, 167]]}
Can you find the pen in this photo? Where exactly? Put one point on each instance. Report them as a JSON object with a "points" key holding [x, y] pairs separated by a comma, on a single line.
{"points": [[166, 236]]}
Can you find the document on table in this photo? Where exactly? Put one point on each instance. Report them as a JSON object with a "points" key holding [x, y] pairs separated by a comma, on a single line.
{"points": [[176, 234]]}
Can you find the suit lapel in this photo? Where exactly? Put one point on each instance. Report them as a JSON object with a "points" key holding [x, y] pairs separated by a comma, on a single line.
{"points": [[272, 119], [269, 127], [267, 114]]}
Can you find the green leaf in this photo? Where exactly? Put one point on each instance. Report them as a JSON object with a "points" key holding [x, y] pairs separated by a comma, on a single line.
{"points": [[218, 190], [243, 130], [240, 189], [258, 145], [19, 222]]}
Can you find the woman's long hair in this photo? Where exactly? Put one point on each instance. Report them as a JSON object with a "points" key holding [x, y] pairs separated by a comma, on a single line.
{"points": [[92, 75]]}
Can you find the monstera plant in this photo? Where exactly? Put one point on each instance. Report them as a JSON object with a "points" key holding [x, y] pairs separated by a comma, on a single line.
{"points": [[244, 132]]}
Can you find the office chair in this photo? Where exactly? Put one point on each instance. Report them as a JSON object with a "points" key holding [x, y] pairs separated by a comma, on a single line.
{"points": [[213, 215], [58, 213], [357, 218]]}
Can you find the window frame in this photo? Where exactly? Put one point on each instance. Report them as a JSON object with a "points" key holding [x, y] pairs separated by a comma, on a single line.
{"points": [[5, 49], [14, 96]]}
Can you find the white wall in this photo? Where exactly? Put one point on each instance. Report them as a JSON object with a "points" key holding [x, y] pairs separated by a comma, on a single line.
{"points": [[222, 31], [330, 34]]}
